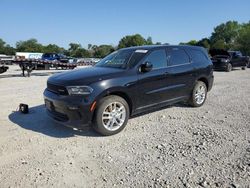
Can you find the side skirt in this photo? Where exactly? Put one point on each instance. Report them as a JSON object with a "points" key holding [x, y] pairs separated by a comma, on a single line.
{"points": [[156, 106]]}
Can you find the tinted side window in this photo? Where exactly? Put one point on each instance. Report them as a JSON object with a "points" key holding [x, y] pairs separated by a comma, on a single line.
{"points": [[136, 58], [198, 56], [177, 57], [158, 58]]}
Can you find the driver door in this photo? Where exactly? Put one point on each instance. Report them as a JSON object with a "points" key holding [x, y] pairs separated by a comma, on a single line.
{"points": [[151, 84]]}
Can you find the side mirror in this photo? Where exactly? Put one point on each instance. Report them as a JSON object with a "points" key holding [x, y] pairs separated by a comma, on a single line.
{"points": [[146, 67]]}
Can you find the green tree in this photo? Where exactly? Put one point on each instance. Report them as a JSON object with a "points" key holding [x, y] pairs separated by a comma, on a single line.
{"points": [[243, 40], [74, 46], [30, 45], [192, 43], [226, 32], [81, 52], [6, 49], [205, 43], [89, 46], [132, 40], [219, 44], [149, 41], [76, 50], [53, 48], [2, 44], [102, 50]]}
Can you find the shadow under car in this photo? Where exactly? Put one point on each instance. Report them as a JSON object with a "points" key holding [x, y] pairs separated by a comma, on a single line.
{"points": [[37, 120]]}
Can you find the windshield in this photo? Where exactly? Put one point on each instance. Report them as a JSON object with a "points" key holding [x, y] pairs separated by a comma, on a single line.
{"points": [[47, 55], [117, 59], [235, 53]]}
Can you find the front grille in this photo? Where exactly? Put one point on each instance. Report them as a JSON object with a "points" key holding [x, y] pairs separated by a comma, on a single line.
{"points": [[61, 90], [58, 116]]}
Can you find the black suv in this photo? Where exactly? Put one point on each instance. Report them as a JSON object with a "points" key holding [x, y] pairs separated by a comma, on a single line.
{"points": [[227, 60], [128, 82]]}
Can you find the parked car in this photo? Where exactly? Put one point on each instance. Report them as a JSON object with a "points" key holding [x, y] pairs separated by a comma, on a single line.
{"points": [[57, 57], [129, 82], [237, 57], [3, 69], [227, 60]]}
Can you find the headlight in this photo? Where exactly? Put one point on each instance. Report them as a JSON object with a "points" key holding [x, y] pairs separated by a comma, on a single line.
{"points": [[224, 60], [79, 90]]}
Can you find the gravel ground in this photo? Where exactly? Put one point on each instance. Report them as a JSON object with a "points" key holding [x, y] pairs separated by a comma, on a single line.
{"points": [[177, 146]]}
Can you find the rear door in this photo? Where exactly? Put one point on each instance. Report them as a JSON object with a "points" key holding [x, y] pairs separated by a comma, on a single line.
{"points": [[179, 73]]}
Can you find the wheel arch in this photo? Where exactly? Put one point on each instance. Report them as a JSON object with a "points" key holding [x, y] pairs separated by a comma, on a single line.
{"points": [[124, 96], [118, 92], [205, 80]]}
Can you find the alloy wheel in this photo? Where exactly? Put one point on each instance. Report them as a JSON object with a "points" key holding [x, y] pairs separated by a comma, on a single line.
{"points": [[114, 116], [200, 94]]}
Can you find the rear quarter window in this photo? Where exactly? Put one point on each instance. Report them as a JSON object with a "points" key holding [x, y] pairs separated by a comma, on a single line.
{"points": [[177, 56], [197, 55]]}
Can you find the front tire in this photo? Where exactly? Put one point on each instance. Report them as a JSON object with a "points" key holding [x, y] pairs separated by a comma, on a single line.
{"points": [[229, 67], [199, 94], [111, 115]]}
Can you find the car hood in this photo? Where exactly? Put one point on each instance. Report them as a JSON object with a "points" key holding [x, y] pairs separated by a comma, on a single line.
{"points": [[218, 52], [84, 76]]}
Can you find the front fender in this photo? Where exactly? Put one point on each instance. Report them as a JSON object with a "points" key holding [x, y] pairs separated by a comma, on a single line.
{"points": [[112, 90]]}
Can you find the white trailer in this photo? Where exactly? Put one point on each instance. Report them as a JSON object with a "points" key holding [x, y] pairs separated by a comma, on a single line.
{"points": [[29, 55]]}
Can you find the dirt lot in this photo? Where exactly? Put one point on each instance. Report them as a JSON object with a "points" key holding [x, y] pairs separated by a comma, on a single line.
{"points": [[177, 146]]}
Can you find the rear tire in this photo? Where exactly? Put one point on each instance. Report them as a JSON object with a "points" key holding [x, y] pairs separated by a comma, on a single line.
{"points": [[229, 67], [199, 94], [248, 64], [111, 115]]}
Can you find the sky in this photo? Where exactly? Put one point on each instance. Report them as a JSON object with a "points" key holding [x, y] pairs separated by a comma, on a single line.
{"points": [[107, 21]]}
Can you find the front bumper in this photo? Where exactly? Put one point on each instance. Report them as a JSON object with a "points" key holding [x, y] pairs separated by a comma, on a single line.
{"points": [[68, 110], [219, 66]]}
